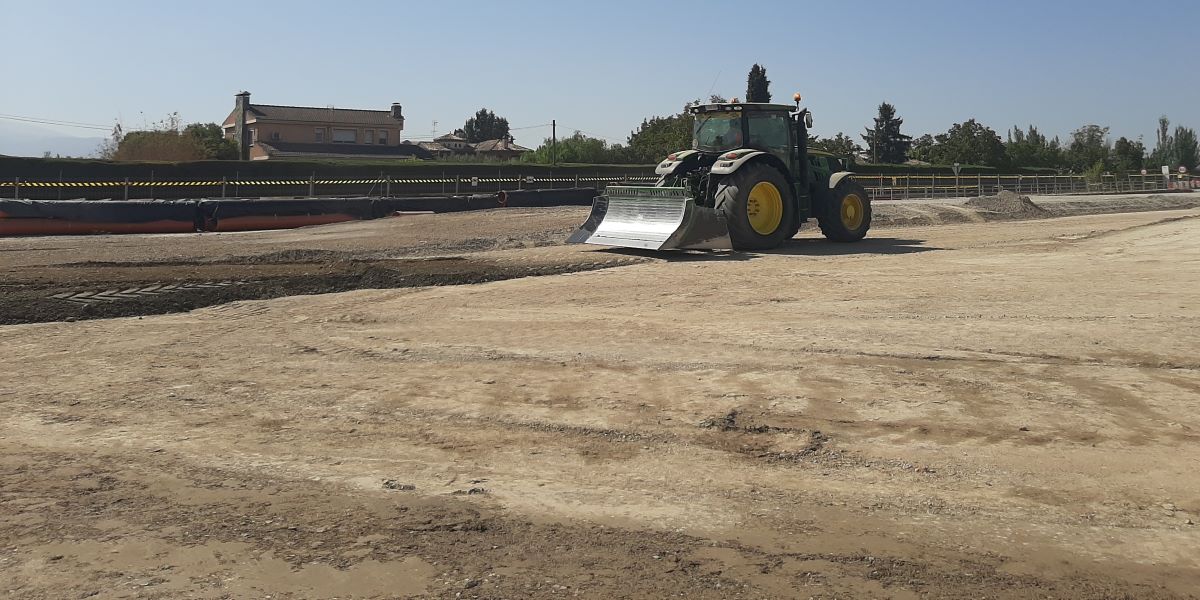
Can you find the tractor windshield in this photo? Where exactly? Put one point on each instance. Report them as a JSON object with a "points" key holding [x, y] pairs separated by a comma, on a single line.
{"points": [[718, 132]]}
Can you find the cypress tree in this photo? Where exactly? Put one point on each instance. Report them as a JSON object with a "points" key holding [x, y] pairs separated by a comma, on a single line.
{"points": [[884, 141], [757, 85]]}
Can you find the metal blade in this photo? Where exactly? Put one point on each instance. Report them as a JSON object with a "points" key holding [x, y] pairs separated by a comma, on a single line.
{"points": [[654, 218]]}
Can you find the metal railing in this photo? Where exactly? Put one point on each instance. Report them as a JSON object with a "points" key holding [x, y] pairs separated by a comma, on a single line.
{"points": [[880, 186], [925, 187], [384, 186]]}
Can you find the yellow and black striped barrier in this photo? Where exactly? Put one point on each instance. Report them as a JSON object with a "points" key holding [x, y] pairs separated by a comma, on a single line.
{"points": [[210, 183]]}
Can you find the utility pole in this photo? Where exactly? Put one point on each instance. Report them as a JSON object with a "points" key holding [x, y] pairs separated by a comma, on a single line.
{"points": [[553, 142]]}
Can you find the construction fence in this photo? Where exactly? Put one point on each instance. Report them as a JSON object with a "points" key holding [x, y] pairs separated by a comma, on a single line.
{"points": [[880, 186], [918, 187], [238, 187]]}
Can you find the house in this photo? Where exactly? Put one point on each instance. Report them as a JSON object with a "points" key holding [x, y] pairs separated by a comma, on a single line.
{"points": [[455, 142], [267, 131], [501, 149], [436, 149]]}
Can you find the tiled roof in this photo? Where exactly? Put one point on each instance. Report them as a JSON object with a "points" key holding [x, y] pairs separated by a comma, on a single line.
{"points": [[499, 146], [366, 150], [450, 137], [349, 116]]}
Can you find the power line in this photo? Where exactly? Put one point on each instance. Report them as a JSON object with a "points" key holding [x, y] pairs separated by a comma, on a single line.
{"points": [[595, 135], [56, 122], [528, 127]]}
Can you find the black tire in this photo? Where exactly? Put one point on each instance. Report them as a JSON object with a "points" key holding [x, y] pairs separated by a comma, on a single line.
{"points": [[732, 199], [845, 220]]}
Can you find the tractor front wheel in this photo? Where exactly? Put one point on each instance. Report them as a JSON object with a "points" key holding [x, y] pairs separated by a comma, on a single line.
{"points": [[758, 207], [848, 215]]}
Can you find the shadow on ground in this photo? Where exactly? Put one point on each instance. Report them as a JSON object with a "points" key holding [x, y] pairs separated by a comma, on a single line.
{"points": [[870, 245], [798, 247]]}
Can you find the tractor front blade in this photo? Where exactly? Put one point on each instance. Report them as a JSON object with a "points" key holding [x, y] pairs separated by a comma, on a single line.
{"points": [[653, 218]]}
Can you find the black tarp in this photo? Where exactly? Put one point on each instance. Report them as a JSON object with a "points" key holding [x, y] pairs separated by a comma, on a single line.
{"points": [[93, 211]]}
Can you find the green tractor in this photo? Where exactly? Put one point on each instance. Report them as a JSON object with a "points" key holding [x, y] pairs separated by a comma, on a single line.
{"points": [[748, 183]]}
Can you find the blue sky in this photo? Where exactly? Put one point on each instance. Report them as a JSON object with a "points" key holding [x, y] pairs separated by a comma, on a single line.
{"points": [[602, 67]]}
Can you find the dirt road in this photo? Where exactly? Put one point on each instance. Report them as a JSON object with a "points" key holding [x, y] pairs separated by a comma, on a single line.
{"points": [[981, 410]]}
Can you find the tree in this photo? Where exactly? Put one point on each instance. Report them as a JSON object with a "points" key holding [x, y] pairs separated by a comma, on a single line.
{"points": [[1187, 152], [840, 144], [1128, 156], [1032, 149], [660, 136], [212, 140], [1089, 146], [164, 140], [579, 148], [485, 125], [969, 143], [885, 142], [108, 147], [1164, 150], [922, 148], [158, 145], [757, 85]]}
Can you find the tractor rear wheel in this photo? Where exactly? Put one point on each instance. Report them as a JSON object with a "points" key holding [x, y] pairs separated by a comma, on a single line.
{"points": [[848, 214], [758, 207]]}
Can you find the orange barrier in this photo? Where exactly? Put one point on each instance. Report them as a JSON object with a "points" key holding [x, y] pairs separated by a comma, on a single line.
{"points": [[80, 217], [39, 226]]}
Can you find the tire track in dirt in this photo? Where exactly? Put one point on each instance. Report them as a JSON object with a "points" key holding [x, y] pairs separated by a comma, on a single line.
{"points": [[91, 291]]}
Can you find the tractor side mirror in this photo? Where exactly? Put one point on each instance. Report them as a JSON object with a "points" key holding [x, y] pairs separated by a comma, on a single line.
{"points": [[808, 119]]}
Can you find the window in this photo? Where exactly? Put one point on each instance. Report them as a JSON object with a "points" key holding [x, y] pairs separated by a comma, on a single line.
{"points": [[319, 135], [253, 135], [345, 136], [369, 138], [274, 136], [718, 131], [773, 133], [383, 136]]}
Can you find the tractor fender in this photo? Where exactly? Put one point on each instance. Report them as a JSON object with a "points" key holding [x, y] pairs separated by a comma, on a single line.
{"points": [[837, 178], [672, 162], [728, 163]]}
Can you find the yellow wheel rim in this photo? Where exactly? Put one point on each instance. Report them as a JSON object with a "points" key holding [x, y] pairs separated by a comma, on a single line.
{"points": [[764, 208], [852, 212]]}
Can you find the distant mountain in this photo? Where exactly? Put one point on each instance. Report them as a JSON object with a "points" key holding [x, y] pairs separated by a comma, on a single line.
{"points": [[26, 139]]}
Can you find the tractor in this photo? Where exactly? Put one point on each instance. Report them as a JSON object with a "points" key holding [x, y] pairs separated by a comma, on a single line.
{"points": [[748, 183]]}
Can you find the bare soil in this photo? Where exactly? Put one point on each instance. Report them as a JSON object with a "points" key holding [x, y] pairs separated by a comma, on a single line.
{"points": [[73, 278], [978, 410], [44, 279]]}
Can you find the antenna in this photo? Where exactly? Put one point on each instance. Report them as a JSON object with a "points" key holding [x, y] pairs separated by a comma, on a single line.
{"points": [[714, 84]]}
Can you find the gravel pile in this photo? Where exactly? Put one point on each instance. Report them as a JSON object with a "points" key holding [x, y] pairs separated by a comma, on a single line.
{"points": [[1007, 204]]}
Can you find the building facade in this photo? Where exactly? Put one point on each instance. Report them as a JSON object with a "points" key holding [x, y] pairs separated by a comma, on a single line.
{"points": [[266, 131]]}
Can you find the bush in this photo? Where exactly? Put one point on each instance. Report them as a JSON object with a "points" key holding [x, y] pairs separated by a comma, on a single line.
{"points": [[1094, 173]]}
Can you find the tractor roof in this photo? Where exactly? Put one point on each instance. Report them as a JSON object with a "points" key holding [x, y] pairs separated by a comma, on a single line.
{"points": [[741, 106]]}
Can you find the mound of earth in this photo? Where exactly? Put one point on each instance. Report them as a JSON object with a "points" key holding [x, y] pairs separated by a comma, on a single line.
{"points": [[1006, 205]]}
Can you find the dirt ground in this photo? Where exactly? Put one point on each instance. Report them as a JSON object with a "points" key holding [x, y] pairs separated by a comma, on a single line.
{"points": [[988, 409], [89, 277]]}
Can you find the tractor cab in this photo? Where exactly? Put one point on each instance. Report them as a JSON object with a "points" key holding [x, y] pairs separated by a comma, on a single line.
{"points": [[777, 129]]}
